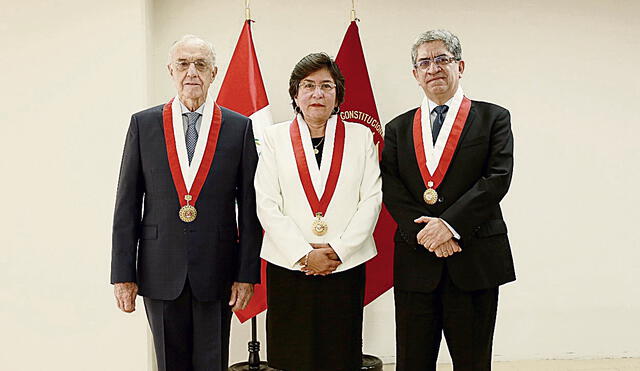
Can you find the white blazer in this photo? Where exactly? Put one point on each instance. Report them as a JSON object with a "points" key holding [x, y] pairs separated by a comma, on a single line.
{"points": [[283, 208]]}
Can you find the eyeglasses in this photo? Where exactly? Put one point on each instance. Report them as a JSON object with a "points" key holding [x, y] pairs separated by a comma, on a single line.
{"points": [[200, 64], [310, 86], [440, 61]]}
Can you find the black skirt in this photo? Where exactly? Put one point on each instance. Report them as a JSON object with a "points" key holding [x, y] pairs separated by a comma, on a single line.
{"points": [[314, 323]]}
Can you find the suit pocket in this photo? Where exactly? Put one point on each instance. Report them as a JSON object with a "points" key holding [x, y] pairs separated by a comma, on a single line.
{"points": [[149, 232], [491, 228]]}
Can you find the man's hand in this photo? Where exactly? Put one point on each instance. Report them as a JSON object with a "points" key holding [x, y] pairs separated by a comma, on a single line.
{"points": [[323, 260], [241, 293], [434, 234], [447, 249], [125, 293]]}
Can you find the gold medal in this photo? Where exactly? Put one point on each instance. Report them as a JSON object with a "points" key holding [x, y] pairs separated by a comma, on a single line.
{"points": [[430, 196], [319, 226], [187, 212]]}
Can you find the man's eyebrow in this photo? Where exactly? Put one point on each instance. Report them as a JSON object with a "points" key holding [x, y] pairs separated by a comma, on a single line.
{"points": [[425, 58], [188, 59]]}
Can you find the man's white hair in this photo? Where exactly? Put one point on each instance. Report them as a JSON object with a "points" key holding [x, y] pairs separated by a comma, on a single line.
{"points": [[194, 38]]}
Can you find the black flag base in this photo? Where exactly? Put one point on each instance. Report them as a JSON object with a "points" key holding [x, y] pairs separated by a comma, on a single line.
{"points": [[369, 363], [244, 366], [254, 363]]}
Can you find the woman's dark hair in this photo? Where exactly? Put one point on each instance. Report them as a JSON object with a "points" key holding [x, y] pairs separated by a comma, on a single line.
{"points": [[310, 64]]}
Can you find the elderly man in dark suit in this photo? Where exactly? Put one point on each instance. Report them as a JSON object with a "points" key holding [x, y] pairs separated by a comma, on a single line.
{"points": [[445, 167], [177, 240]]}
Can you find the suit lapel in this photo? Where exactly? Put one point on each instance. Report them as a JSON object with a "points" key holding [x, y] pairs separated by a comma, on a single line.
{"points": [[216, 157], [467, 125]]}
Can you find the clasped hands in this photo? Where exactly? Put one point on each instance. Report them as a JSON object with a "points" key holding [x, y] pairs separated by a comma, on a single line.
{"points": [[322, 260], [436, 237]]}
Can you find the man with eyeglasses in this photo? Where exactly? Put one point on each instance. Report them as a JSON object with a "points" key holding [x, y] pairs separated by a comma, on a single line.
{"points": [[177, 240], [445, 167]]}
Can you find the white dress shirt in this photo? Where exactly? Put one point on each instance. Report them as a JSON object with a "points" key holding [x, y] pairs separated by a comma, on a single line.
{"points": [[185, 119]]}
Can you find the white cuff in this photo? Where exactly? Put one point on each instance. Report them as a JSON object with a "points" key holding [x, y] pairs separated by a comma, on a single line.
{"points": [[453, 231]]}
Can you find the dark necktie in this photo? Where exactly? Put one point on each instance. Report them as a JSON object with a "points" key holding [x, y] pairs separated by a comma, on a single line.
{"points": [[191, 137], [441, 113]]}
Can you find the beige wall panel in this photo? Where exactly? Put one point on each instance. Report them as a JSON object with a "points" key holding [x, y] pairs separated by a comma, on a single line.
{"points": [[72, 73]]}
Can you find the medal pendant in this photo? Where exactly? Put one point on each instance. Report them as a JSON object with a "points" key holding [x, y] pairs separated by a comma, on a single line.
{"points": [[187, 212], [430, 196], [319, 226]]}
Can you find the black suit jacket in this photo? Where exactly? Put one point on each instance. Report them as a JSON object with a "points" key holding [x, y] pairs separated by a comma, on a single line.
{"points": [[469, 196], [153, 247]]}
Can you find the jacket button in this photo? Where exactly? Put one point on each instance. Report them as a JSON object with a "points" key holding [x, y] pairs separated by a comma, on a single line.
{"points": [[441, 200]]}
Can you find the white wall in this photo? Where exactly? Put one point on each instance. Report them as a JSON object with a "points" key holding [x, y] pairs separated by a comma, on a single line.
{"points": [[565, 69], [72, 73]]}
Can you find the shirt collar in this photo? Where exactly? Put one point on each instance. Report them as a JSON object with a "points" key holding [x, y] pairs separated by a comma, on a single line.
{"points": [[458, 95], [184, 109]]}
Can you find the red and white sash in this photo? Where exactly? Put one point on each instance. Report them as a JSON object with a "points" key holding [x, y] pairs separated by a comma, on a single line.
{"points": [[318, 204], [449, 149], [188, 180]]}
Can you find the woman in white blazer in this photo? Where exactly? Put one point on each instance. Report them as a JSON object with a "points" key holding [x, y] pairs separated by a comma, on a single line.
{"points": [[318, 193]]}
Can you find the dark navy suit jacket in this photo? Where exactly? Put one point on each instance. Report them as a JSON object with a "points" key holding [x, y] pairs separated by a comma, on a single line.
{"points": [[158, 251], [469, 200]]}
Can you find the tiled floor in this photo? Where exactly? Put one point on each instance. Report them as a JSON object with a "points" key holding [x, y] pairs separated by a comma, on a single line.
{"points": [[627, 364]]}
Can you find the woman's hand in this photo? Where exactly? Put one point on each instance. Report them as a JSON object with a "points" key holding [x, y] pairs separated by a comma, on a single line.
{"points": [[322, 260], [332, 255]]}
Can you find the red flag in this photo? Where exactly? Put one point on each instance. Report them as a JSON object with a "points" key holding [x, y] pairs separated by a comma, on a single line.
{"points": [[243, 91], [360, 106]]}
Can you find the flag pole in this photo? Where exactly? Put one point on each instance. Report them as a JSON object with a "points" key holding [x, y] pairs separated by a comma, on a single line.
{"points": [[247, 10], [369, 362], [353, 11], [253, 363]]}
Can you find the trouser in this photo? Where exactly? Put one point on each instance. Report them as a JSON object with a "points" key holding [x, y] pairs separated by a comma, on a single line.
{"points": [[189, 335], [467, 319]]}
